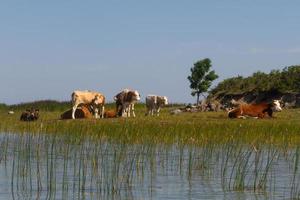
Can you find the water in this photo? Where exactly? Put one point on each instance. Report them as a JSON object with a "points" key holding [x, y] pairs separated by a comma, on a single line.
{"points": [[59, 167]]}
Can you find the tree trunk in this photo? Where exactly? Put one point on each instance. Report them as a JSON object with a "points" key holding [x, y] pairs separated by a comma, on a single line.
{"points": [[198, 95]]}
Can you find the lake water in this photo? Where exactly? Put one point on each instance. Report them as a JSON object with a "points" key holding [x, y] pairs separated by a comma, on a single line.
{"points": [[59, 167]]}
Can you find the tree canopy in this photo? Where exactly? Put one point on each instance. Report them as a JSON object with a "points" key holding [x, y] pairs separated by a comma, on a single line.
{"points": [[201, 78], [284, 81]]}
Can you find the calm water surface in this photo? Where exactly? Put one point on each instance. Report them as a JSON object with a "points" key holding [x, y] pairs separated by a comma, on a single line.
{"points": [[59, 167]]}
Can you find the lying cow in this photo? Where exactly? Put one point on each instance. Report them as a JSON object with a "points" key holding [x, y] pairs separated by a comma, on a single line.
{"points": [[154, 104], [110, 114], [82, 112], [30, 115], [95, 99], [255, 110], [125, 101]]}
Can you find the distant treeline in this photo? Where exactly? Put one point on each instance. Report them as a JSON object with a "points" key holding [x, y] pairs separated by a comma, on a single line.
{"points": [[46, 105], [277, 81], [53, 105]]}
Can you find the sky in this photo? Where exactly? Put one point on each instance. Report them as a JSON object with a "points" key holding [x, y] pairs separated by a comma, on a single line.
{"points": [[50, 48]]}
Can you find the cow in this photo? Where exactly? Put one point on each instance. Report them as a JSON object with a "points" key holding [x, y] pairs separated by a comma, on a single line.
{"points": [[154, 104], [30, 115], [84, 111], [110, 114], [95, 99], [255, 110], [125, 101], [119, 99]]}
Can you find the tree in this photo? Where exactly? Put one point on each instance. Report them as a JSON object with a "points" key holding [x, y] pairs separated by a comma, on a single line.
{"points": [[201, 78]]}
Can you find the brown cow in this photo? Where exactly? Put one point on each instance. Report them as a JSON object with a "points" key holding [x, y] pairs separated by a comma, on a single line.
{"points": [[255, 110], [110, 114], [81, 112]]}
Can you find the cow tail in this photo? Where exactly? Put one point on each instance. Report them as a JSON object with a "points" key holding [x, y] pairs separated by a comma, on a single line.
{"points": [[103, 100], [73, 97], [102, 107]]}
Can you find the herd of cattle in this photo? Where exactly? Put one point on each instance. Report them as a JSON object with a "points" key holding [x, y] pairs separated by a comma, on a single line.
{"points": [[88, 104], [94, 103]]}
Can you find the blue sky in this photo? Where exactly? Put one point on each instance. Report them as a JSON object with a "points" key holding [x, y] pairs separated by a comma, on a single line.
{"points": [[50, 48]]}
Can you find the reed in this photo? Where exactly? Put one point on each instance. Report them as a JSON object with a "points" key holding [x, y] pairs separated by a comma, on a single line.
{"points": [[56, 166]]}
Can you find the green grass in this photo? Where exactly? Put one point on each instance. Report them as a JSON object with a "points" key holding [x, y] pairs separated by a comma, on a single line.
{"points": [[185, 129]]}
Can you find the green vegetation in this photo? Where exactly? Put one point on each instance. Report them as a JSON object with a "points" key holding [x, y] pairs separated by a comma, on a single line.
{"points": [[276, 82], [187, 128], [45, 105], [201, 78]]}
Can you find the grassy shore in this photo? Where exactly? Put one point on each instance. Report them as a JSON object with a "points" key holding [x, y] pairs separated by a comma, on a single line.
{"points": [[185, 129]]}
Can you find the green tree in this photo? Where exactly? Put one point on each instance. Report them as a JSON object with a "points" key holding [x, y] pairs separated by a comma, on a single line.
{"points": [[201, 78]]}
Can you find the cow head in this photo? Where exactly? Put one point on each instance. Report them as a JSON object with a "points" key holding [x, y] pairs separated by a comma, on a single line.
{"points": [[33, 114], [165, 100], [98, 100], [137, 95], [276, 106]]}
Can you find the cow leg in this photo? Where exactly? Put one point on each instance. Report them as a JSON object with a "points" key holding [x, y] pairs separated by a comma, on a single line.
{"points": [[153, 109], [124, 110], [148, 111], [119, 110], [241, 117], [102, 111], [132, 108], [96, 113], [261, 115], [128, 109], [157, 111], [73, 110]]}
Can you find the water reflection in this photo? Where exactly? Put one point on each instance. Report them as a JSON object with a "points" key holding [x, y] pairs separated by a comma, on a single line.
{"points": [[59, 167]]}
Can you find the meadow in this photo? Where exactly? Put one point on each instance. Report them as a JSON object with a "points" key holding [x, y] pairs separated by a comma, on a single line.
{"points": [[184, 129]]}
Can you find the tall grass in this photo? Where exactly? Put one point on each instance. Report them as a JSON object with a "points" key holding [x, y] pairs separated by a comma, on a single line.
{"points": [[188, 128]]}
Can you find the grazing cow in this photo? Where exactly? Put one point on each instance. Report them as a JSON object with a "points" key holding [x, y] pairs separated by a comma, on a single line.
{"points": [[84, 111], [30, 115], [95, 99], [10, 112], [125, 101], [154, 104], [255, 110]]}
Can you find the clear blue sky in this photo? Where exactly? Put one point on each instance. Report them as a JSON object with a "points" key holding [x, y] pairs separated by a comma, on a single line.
{"points": [[50, 48]]}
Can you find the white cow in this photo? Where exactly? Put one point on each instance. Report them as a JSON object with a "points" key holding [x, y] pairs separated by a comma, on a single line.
{"points": [[154, 104], [125, 101], [95, 99]]}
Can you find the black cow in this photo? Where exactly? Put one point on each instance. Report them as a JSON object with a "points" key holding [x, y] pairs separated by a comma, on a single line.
{"points": [[30, 115]]}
